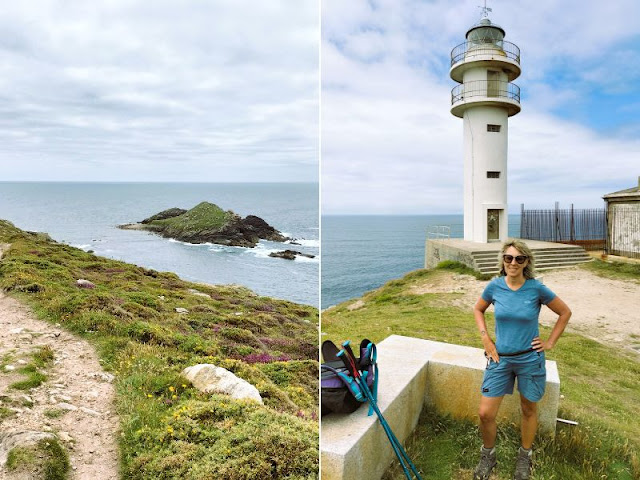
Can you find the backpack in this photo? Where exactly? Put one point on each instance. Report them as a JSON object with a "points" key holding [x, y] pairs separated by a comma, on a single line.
{"points": [[339, 391]]}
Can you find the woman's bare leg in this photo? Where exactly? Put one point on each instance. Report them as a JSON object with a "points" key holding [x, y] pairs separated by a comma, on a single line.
{"points": [[488, 412], [529, 422]]}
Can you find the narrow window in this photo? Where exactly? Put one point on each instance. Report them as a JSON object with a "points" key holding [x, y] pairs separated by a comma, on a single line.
{"points": [[493, 174], [493, 128]]}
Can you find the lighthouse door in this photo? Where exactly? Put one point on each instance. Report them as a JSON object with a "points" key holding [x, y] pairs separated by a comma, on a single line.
{"points": [[493, 225], [493, 83]]}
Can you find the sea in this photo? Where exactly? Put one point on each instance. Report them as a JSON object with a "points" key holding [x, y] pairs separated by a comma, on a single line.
{"points": [[86, 215], [362, 252]]}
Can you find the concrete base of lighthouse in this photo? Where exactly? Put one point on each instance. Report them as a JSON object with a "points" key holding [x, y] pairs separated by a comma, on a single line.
{"points": [[483, 257]]}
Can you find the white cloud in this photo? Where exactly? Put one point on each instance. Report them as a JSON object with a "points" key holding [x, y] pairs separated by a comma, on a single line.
{"points": [[164, 86], [390, 145]]}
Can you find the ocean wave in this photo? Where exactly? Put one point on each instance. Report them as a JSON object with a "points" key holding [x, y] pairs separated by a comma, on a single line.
{"points": [[305, 242], [83, 246], [188, 244], [261, 251], [216, 247], [300, 258]]}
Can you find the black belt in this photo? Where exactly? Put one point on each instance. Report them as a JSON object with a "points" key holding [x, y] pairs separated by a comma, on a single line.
{"points": [[515, 354]]}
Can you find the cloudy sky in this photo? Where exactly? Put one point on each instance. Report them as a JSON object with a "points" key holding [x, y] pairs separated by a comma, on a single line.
{"points": [[390, 145], [169, 90]]}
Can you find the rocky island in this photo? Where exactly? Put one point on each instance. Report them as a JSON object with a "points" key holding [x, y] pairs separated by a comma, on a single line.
{"points": [[207, 222], [290, 254]]}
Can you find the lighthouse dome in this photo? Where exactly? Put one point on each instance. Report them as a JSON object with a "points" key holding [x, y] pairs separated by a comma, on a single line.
{"points": [[485, 32]]}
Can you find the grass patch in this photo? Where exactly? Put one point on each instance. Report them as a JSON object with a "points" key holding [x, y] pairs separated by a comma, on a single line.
{"points": [[34, 379], [5, 360], [462, 269], [46, 460], [203, 216], [6, 413], [43, 357], [601, 388], [54, 413], [615, 270], [131, 318], [444, 448]]}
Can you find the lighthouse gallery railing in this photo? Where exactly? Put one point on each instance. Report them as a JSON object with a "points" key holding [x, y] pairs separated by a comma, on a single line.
{"points": [[485, 88], [468, 50]]}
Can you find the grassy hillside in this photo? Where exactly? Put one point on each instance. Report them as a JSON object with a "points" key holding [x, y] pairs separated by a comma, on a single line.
{"points": [[169, 430], [601, 388], [204, 216]]}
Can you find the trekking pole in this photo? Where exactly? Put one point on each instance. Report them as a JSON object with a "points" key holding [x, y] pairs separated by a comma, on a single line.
{"points": [[353, 370], [350, 362], [385, 424]]}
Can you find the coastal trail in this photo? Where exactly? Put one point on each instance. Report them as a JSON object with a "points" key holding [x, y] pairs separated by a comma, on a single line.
{"points": [[604, 309], [75, 402]]}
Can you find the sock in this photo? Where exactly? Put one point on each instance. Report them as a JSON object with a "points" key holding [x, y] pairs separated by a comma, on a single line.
{"points": [[490, 450], [528, 451]]}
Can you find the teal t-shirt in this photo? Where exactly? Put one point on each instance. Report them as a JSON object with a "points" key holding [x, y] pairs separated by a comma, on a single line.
{"points": [[516, 312]]}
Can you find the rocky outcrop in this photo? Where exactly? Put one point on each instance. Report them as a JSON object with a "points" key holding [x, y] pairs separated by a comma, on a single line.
{"points": [[208, 378], [290, 254], [163, 215], [10, 440], [208, 223]]}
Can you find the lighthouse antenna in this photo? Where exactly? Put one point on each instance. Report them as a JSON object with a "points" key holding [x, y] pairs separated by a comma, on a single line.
{"points": [[485, 10]]}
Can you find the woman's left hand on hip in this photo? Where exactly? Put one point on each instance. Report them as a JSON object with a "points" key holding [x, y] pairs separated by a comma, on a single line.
{"points": [[540, 345]]}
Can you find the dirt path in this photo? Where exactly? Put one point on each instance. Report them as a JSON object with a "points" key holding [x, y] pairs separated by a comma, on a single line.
{"points": [[75, 402], [603, 309]]}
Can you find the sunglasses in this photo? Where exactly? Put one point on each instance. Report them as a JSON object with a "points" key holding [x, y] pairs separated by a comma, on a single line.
{"points": [[520, 258]]}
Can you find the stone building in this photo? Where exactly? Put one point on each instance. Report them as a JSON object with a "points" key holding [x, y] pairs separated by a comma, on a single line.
{"points": [[623, 222]]}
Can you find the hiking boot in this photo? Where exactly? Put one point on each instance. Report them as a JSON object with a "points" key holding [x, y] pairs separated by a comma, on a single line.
{"points": [[487, 463], [523, 465]]}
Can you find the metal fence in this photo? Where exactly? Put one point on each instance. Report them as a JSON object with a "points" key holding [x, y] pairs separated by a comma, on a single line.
{"points": [[498, 48], [584, 227], [485, 88], [624, 230]]}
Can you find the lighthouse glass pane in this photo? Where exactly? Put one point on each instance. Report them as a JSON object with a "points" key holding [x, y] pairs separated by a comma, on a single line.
{"points": [[485, 35], [493, 224]]}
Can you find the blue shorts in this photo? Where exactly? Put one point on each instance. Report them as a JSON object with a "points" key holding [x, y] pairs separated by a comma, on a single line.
{"points": [[528, 368]]}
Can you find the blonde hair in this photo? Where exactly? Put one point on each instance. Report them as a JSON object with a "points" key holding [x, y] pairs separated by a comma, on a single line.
{"points": [[529, 270]]}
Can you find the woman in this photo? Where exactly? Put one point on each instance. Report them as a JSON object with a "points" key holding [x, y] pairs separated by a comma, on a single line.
{"points": [[518, 351]]}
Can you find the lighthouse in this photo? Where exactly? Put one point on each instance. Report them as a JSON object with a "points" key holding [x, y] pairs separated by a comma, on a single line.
{"points": [[484, 66]]}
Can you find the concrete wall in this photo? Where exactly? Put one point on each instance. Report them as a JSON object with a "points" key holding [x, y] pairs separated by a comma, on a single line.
{"points": [[439, 251], [453, 386]]}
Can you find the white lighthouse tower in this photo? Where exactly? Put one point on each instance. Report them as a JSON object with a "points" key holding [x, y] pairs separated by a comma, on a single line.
{"points": [[484, 66]]}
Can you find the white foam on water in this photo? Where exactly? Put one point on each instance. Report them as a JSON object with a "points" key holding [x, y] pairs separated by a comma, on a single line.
{"points": [[262, 251], [188, 244], [82, 247], [306, 243], [300, 258]]}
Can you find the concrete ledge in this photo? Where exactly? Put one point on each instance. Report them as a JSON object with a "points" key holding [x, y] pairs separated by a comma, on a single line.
{"points": [[415, 372], [483, 257]]}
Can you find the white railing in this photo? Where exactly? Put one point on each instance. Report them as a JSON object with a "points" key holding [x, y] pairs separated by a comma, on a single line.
{"points": [[438, 231]]}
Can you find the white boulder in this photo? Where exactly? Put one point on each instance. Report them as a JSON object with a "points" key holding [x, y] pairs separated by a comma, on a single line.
{"points": [[208, 378]]}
